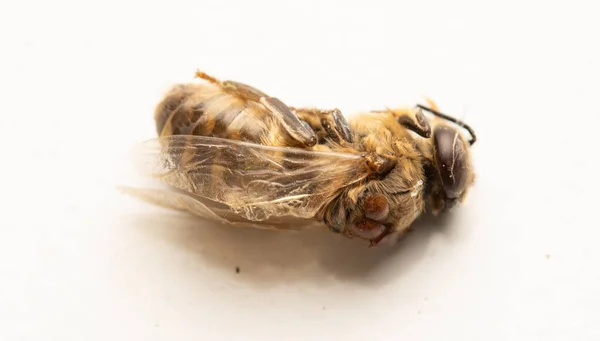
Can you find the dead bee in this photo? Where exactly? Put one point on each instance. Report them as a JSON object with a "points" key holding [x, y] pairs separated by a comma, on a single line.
{"points": [[233, 154]]}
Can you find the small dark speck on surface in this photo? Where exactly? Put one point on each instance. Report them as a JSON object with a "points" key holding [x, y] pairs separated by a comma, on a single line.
{"points": [[237, 269]]}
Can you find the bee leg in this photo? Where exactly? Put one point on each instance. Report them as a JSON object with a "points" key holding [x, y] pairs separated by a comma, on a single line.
{"points": [[370, 224], [412, 119], [331, 123], [242, 90], [207, 77], [298, 130]]}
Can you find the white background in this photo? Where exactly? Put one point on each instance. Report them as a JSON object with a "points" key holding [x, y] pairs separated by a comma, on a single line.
{"points": [[79, 261]]}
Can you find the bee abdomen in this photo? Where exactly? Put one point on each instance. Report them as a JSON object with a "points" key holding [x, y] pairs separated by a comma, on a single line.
{"points": [[170, 105], [208, 111]]}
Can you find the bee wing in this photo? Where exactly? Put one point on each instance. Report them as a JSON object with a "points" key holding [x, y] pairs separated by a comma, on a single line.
{"points": [[254, 181], [175, 200], [210, 211]]}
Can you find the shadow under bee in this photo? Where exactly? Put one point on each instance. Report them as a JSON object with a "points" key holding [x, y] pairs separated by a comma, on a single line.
{"points": [[267, 258]]}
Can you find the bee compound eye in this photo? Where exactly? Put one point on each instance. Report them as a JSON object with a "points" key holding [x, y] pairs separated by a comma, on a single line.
{"points": [[450, 154]]}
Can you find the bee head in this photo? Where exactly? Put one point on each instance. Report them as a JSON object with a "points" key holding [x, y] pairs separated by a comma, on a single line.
{"points": [[401, 184], [452, 172], [449, 173]]}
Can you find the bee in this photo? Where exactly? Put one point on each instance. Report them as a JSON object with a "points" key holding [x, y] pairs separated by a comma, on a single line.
{"points": [[233, 154]]}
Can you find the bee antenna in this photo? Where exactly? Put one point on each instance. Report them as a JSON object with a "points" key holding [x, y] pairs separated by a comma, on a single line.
{"points": [[453, 120]]}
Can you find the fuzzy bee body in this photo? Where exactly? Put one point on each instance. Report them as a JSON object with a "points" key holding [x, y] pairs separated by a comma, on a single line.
{"points": [[239, 156]]}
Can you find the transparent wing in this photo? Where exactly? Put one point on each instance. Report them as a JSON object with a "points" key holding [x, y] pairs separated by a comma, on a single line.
{"points": [[211, 211], [254, 181]]}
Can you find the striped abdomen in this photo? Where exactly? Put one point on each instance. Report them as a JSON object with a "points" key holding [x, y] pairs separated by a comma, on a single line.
{"points": [[206, 110]]}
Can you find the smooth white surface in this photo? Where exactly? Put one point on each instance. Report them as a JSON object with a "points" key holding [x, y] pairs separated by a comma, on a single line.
{"points": [[519, 261]]}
